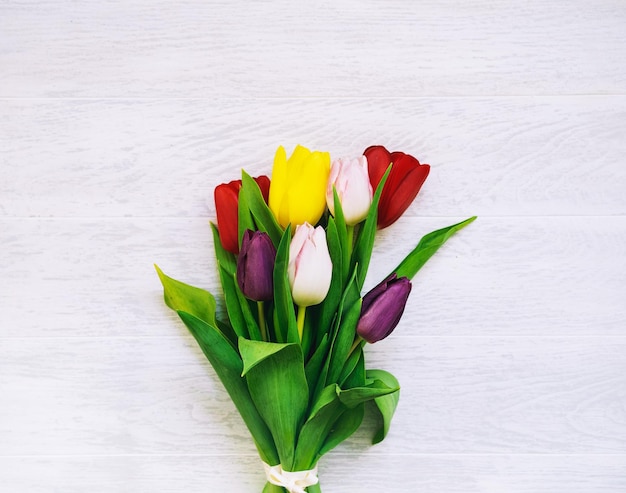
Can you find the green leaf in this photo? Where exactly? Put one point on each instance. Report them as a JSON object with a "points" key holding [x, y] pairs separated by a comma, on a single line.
{"points": [[324, 413], [328, 307], [356, 395], [286, 326], [244, 217], [228, 367], [385, 404], [313, 368], [263, 216], [277, 384], [181, 296], [343, 428], [365, 241], [426, 248], [224, 257], [231, 298], [247, 313], [342, 336], [343, 341], [342, 232], [353, 372]]}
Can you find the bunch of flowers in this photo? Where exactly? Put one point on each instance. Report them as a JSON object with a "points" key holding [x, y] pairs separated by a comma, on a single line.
{"points": [[292, 256]]}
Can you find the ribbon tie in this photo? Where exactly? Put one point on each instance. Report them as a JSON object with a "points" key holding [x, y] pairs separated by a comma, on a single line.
{"points": [[293, 482]]}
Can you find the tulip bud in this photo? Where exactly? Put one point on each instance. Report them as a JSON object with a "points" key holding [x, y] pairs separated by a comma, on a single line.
{"points": [[382, 308], [298, 189], [351, 180], [405, 179], [255, 266], [310, 268], [226, 206]]}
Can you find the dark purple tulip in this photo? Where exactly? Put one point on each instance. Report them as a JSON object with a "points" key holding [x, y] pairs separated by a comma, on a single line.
{"points": [[255, 266], [382, 308]]}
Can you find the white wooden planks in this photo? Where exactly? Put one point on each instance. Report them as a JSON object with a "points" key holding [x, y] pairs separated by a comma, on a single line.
{"points": [[119, 118], [501, 276], [489, 156], [132, 395], [277, 49]]}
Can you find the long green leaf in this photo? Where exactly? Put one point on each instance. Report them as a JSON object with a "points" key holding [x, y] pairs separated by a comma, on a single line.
{"points": [[385, 404], [228, 366], [342, 232], [277, 384], [313, 368], [356, 395], [247, 312], [343, 428], [181, 296], [343, 341], [231, 299], [286, 326], [263, 216], [328, 307], [426, 248], [224, 257], [324, 414], [244, 217], [365, 242]]}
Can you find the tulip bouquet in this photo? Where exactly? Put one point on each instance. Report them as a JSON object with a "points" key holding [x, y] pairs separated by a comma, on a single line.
{"points": [[292, 255]]}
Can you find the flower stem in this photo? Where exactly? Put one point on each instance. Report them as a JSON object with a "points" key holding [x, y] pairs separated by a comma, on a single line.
{"points": [[301, 315], [259, 305], [357, 342]]}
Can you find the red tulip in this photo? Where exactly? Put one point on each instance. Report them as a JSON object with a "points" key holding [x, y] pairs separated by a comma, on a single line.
{"points": [[226, 205], [405, 179]]}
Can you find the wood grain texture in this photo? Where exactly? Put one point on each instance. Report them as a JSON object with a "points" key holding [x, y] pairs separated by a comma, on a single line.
{"points": [[489, 156], [405, 474], [129, 395], [119, 118], [500, 276], [283, 49]]}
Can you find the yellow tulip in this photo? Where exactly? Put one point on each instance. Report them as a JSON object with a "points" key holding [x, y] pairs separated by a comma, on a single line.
{"points": [[298, 186]]}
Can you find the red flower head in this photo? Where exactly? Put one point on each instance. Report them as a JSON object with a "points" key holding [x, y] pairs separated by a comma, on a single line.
{"points": [[227, 204], [405, 179]]}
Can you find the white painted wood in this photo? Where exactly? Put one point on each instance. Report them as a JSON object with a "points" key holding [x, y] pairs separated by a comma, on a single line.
{"points": [[117, 120], [144, 48], [460, 473], [489, 156], [502, 276], [464, 395]]}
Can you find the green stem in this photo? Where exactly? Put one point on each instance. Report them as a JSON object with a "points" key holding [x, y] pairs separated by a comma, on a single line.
{"points": [[357, 342], [301, 315], [259, 305]]}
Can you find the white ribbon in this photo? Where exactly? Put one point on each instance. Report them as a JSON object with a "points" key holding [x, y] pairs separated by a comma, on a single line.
{"points": [[294, 482]]}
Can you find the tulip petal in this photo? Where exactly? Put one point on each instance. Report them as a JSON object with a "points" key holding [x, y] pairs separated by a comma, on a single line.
{"points": [[404, 183], [310, 267], [307, 192], [264, 185], [226, 198], [384, 309], [278, 184], [378, 160]]}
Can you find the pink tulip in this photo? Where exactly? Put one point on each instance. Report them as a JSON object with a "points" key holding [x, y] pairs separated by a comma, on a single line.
{"points": [[310, 268], [350, 178]]}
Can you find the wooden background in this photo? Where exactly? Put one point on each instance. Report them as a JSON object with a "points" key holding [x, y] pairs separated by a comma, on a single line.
{"points": [[118, 118]]}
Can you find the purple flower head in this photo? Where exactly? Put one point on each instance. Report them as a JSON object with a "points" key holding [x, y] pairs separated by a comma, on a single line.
{"points": [[255, 266], [382, 308]]}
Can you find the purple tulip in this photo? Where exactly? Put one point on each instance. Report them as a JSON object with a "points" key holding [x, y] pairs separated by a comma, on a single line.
{"points": [[382, 308], [255, 266]]}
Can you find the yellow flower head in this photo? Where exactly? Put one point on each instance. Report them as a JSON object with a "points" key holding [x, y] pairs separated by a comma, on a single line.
{"points": [[298, 186]]}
